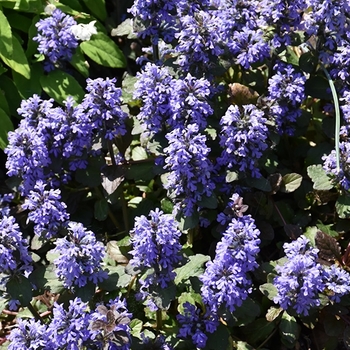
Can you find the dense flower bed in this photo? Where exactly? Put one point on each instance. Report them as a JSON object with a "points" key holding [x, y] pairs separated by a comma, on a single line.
{"points": [[175, 174]]}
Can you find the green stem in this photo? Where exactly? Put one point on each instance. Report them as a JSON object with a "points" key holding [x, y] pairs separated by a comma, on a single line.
{"points": [[337, 116], [159, 319]]}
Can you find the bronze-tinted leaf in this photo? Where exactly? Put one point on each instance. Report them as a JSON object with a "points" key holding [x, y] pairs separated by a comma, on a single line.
{"points": [[329, 248], [242, 95]]}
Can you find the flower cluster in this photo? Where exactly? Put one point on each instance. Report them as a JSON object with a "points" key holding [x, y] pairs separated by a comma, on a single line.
{"points": [[110, 327], [158, 17], [302, 278], [69, 328], [14, 255], [195, 326], [283, 17], [74, 328], [46, 210], [190, 102], [102, 105], [56, 40], [30, 335], [286, 93], [189, 180], [248, 47], [80, 257], [198, 42], [342, 175], [226, 283], [156, 246], [154, 87], [243, 137]]}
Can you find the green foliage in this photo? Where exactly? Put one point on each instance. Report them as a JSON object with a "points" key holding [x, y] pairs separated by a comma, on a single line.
{"points": [[59, 85], [102, 50]]}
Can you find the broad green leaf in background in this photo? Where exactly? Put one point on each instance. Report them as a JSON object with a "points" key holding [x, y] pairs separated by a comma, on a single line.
{"points": [[97, 8], [60, 85], [6, 45], [319, 177], [79, 63], [5, 126], [19, 21], [289, 330], [28, 87], [101, 209], [104, 51], [343, 206], [291, 182], [9, 90], [18, 60], [33, 6], [318, 87], [193, 268], [269, 290]]}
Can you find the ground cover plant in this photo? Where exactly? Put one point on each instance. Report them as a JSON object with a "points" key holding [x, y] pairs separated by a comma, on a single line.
{"points": [[174, 174]]}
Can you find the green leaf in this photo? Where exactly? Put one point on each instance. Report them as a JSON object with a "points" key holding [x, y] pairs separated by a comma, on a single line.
{"points": [[139, 153], [18, 60], [308, 62], [289, 330], [104, 51], [318, 87], [128, 87], [101, 209], [19, 21], [343, 206], [6, 44], [187, 222], [86, 292], [115, 253], [6, 126], [162, 297], [117, 278], [34, 6], [59, 85], [231, 176], [272, 313], [20, 289], [260, 184], [319, 177], [333, 325], [124, 29], [246, 313], [193, 268], [220, 339], [79, 63], [259, 330], [97, 8], [269, 290], [28, 87], [91, 176], [208, 202], [291, 182], [52, 282]]}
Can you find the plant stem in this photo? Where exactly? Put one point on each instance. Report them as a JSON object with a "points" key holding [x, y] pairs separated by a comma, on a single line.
{"points": [[337, 116], [34, 312], [159, 319]]}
